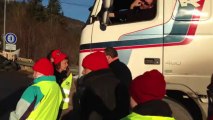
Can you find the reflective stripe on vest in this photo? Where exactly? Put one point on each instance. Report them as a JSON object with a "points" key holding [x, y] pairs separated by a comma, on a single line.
{"points": [[135, 116], [66, 86]]}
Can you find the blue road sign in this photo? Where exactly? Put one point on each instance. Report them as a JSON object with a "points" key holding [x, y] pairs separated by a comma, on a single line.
{"points": [[10, 38]]}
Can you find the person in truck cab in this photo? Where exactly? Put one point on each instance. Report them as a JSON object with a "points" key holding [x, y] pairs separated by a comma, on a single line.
{"points": [[139, 10]]}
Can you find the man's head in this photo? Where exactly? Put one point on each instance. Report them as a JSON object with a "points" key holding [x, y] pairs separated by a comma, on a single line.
{"points": [[43, 67], [146, 4], [111, 54], [148, 86], [60, 60], [93, 62]]}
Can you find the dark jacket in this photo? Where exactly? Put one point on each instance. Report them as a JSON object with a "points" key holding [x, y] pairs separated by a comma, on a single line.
{"points": [[154, 108], [121, 71], [134, 15], [60, 76], [210, 97], [101, 97]]}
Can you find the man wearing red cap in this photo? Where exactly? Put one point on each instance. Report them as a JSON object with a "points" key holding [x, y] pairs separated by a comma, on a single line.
{"points": [[147, 92], [100, 94], [41, 100]]}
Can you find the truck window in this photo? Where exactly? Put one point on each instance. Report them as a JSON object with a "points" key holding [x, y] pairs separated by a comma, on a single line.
{"points": [[138, 10]]}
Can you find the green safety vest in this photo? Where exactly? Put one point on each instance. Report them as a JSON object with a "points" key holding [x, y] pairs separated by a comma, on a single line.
{"points": [[135, 116], [66, 86]]}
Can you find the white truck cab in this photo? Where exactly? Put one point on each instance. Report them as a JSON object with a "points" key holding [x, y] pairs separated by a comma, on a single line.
{"points": [[178, 41]]}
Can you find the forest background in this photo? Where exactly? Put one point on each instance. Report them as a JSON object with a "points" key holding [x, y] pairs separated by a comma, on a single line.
{"points": [[40, 29]]}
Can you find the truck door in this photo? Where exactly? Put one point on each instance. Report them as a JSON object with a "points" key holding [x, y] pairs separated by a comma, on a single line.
{"points": [[187, 41], [139, 43]]}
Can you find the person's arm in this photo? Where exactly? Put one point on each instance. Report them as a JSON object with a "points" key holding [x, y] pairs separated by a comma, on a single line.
{"points": [[111, 15], [26, 104], [123, 14], [122, 101], [136, 3], [93, 102]]}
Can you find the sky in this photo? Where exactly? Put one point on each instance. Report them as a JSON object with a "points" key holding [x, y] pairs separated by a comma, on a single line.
{"points": [[76, 9]]}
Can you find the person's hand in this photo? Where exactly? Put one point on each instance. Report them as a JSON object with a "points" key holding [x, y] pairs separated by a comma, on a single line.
{"points": [[136, 3], [111, 15]]}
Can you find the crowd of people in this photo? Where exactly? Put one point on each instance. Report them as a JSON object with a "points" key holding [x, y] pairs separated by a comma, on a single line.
{"points": [[105, 91]]}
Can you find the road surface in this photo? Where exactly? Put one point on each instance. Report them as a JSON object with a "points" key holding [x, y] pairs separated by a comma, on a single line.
{"points": [[12, 85]]}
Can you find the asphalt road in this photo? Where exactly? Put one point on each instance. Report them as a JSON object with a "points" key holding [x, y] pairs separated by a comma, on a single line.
{"points": [[12, 85]]}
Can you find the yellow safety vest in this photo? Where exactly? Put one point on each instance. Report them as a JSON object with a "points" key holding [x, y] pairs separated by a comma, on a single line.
{"points": [[66, 86], [135, 116]]}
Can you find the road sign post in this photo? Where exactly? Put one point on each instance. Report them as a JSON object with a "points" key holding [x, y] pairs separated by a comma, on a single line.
{"points": [[10, 39]]}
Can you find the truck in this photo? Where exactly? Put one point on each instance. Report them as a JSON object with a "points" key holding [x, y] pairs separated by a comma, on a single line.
{"points": [[177, 42]]}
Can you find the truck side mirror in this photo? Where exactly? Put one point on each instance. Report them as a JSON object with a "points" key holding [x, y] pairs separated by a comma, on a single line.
{"points": [[106, 5], [103, 21], [90, 8]]}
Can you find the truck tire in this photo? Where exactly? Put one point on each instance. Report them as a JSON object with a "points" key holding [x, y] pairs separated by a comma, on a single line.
{"points": [[178, 111]]}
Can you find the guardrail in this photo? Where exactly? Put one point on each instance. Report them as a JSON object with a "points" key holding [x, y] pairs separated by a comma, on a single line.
{"points": [[25, 61], [26, 64]]}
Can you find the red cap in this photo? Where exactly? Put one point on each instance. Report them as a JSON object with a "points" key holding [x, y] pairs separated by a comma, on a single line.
{"points": [[44, 66], [149, 86], [95, 61], [58, 56]]}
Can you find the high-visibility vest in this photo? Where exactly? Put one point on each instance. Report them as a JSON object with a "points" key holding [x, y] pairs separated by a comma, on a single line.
{"points": [[66, 86], [135, 116], [52, 99]]}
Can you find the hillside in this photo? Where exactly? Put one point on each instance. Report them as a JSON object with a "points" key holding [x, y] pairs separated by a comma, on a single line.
{"points": [[39, 32]]}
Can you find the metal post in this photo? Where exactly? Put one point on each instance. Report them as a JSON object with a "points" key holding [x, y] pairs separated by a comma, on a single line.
{"points": [[5, 7]]}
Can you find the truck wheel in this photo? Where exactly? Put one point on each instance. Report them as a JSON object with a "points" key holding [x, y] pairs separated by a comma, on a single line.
{"points": [[178, 111]]}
